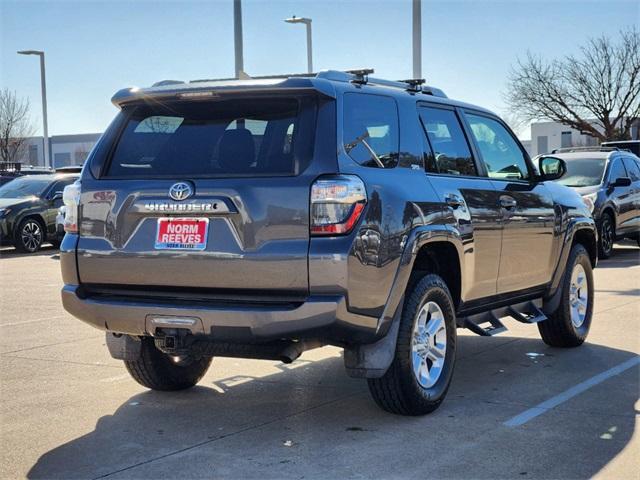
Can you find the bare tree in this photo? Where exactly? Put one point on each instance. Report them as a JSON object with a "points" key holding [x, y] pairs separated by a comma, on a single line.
{"points": [[602, 83], [15, 125]]}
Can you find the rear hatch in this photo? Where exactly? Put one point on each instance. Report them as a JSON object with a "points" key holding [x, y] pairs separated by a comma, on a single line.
{"points": [[203, 198]]}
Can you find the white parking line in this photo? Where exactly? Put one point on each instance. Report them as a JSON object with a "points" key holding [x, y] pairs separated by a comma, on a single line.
{"points": [[553, 402]]}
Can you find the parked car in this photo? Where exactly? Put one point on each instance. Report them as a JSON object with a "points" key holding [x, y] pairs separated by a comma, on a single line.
{"points": [[609, 181], [262, 218], [28, 208], [632, 145], [12, 170], [60, 224]]}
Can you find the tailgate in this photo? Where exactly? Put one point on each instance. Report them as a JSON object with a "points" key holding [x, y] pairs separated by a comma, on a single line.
{"points": [[204, 196]]}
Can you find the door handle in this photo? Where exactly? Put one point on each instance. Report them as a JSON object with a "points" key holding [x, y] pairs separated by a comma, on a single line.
{"points": [[508, 202], [454, 201]]}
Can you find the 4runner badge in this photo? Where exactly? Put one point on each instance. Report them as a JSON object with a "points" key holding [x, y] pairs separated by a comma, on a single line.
{"points": [[180, 191]]}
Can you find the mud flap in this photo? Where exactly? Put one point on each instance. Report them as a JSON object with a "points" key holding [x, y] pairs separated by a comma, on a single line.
{"points": [[373, 360], [123, 347]]}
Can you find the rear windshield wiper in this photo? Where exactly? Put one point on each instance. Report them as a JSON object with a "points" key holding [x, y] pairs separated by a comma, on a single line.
{"points": [[362, 139]]}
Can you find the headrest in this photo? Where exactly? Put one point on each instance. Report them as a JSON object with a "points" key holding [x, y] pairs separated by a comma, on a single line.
{"points": [[237, 150]]}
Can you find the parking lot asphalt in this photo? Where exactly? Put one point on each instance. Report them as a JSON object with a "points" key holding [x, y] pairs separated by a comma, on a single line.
{"points": [[516, 408]]}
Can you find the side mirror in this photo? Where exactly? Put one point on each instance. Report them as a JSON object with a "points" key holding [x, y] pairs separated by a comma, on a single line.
{"points": [[56, 196], [621, 182], [551, 168]]}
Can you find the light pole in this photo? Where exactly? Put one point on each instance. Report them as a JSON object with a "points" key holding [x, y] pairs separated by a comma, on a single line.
{"points": [[417, 38], [43, 84], [237, 36], [307, 22]]}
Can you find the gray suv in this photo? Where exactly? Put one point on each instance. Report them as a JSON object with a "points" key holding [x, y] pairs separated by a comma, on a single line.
{"points": [[261, 218]]}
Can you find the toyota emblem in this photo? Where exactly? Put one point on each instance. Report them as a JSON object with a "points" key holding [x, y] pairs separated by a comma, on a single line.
{"points": [[180, 191]]}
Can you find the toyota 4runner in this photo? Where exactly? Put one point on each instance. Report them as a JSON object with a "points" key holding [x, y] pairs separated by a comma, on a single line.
{"points": [[260, 218]]}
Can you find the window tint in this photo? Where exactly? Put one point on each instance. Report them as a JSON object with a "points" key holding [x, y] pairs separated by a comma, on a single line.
{"points": [[371, 129], [632, 168], [229, 137], [449, 151], [500, 152], [616, 170]]}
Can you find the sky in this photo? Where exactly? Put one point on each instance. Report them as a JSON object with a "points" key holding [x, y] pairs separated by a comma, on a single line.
{"points": [[94, 48]]}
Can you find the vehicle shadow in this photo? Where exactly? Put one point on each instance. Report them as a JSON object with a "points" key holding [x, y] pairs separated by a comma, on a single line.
{"points": [[46, 250], [621, 258], [238, 426]]}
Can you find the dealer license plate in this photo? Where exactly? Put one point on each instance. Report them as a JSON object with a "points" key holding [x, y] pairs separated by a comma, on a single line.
{"points": [[182, 233]]}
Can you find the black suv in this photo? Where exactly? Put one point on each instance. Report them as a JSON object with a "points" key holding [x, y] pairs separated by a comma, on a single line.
{"points": [[261, 218], [28, 208], [609, 181]]}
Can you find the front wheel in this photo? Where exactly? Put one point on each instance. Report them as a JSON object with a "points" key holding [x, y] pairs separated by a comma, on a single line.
{"points": [[159, 371], [29, 235], [419, 376], [569, 325]]}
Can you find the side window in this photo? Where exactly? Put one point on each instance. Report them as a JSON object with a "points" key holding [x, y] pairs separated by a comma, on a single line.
{"points": [[370, 133], [632, 169], [616, 170], [60, 184], [500, 152], [448, 151]]}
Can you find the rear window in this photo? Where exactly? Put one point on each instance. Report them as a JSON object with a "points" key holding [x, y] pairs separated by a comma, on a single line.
{"points": [[256, 136]]}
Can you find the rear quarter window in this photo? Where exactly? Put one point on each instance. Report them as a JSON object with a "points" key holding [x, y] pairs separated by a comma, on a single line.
{"points": [[370, 132], [266, 136]]}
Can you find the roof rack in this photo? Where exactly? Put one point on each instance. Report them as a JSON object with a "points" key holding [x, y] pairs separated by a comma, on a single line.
{"points": [[585, 149], [359, 76], [415, 84]]}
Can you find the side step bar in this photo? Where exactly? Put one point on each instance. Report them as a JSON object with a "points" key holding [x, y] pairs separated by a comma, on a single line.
{"points": [[525, 312]]}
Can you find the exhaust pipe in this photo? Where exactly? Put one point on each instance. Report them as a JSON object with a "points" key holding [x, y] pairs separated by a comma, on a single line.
{"points": [[295, 349]]}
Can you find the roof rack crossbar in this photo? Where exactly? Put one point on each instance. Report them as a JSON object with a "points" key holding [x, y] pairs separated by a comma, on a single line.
{"points": [[585, 149]]}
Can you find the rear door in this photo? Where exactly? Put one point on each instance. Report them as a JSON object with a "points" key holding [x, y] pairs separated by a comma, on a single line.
{"points": [[632, 165], [206, 196], [470, 200], [621, 196], [527, 259]]}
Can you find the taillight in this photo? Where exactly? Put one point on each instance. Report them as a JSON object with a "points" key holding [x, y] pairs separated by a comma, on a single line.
{"points": [[71, 199], [336, 204]]}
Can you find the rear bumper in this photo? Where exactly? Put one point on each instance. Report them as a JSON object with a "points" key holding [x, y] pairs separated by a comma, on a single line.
{"points": [[324, 317]]}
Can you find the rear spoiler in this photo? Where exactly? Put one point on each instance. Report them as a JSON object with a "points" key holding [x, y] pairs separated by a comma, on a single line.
{"points": [[216, 89]]}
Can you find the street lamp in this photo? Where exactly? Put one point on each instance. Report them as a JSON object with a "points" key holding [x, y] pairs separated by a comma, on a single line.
{"points": [[43, 84], [307, 22]]}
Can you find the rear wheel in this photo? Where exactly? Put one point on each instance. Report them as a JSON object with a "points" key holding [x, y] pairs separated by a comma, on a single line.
{"points": [[606, 236], [29, 235], [419, 377], [569, 325], [159, 371]]}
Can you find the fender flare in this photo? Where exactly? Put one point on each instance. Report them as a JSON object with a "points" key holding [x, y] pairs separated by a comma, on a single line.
{"points": [[579, 224], [372, 360]]}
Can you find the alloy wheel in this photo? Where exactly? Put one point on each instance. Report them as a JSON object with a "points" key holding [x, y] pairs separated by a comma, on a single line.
{"points": [[429, 344], [31, 235], [607, 235], [578, 295]]}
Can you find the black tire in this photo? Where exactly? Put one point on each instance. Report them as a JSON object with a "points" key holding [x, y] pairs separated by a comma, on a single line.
{"points": [[606, 236], [559, 330], [399, 390], [158, 371], [30, 235]]}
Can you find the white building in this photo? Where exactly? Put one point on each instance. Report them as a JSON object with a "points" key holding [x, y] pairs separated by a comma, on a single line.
{"points": [[64, 149], [547, 136]]}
